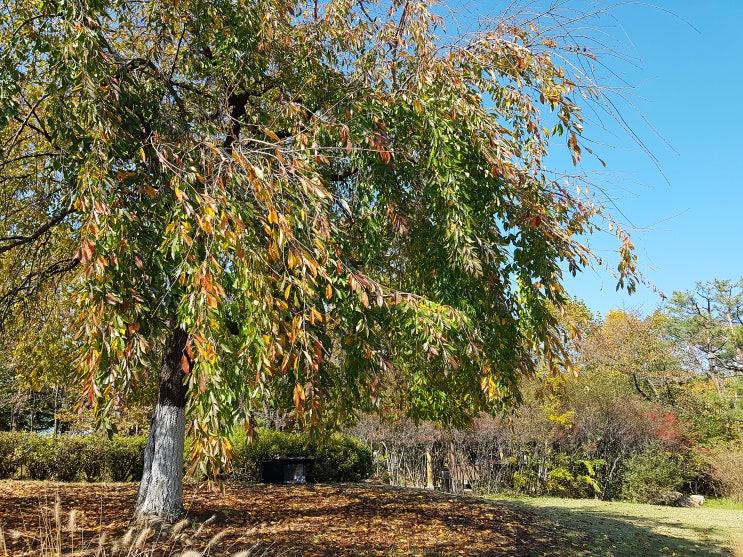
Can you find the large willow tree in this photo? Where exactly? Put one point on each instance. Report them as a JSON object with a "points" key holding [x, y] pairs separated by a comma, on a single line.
{"points": [[329, 201]]}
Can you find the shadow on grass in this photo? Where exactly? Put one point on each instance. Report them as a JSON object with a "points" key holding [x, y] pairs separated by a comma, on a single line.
{"points": [[583, 532]]}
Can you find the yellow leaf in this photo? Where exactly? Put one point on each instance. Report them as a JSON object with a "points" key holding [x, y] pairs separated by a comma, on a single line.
{"points": [[272, 216], [271, 134], [298, 395]]}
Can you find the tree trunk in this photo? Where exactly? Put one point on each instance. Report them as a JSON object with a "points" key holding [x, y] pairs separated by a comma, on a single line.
{"points": [[429, 469], [160, 494]]}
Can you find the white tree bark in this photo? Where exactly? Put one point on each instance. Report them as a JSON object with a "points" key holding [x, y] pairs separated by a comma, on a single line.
{"points": [[161, 490], [160, 494]]}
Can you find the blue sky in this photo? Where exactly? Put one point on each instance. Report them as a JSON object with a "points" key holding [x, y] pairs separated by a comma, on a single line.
{"points": [[680, 67], [683, 63]]}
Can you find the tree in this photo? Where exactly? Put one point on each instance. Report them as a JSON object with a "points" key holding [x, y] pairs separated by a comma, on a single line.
{"points": [[327, 197], [709, 323], [36, 364], [638, 348]]}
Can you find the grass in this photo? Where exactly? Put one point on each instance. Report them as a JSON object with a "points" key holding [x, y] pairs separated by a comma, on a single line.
{"points": [[92, 520], [723, 504], [619, 529]]}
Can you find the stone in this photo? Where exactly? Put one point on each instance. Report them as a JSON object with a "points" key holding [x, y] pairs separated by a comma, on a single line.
{"points": [[690, 501]]}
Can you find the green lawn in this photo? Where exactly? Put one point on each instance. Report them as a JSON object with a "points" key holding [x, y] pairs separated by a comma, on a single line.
{"points": [[614, 529]]}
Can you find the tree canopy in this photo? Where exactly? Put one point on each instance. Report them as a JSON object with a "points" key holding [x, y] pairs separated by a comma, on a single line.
{"points": [[708, 321], [335, 201]]}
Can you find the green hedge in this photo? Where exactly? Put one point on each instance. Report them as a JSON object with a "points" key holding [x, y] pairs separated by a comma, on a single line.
{"points": [[93, 458], [339, 458], [70, 458]]}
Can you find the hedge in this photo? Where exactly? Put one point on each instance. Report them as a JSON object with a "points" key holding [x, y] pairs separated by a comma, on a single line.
{"points": [[338, 458], [70, 458], [92, 458]]}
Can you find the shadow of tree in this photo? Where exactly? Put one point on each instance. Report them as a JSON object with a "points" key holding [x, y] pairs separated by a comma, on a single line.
{"points": [[560, 531]]}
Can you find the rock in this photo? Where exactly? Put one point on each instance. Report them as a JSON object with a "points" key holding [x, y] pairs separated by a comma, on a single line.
{"points": [[666, 498], [691, 501]]}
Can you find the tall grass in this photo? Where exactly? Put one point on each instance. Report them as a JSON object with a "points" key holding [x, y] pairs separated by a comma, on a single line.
{"points": [[63, 534]]}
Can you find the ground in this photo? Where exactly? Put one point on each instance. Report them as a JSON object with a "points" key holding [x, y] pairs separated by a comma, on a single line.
{"points": [[44, 518]]}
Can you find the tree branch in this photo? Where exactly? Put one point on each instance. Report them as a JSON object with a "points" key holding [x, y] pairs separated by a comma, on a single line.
{"points": [[15, 241]]}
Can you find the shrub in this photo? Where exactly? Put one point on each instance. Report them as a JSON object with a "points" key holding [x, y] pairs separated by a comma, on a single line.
{"points": [[125, 457], [70, 457], [39, 457], [339, 458], [652, 476], [94, 459], [342, 459], [725, 465], [10, 457]]}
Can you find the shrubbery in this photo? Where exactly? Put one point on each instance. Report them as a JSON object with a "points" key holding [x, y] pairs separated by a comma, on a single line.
{"points": [[92, 458], [653, 476], [724, 466], [339, 458], [70, 458]]}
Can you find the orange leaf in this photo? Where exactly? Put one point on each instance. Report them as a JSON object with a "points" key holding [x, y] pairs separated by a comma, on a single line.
{"points": [[298, 396]]}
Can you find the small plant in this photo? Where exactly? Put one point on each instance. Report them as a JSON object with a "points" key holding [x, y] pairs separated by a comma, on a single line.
{"points": [[62, 534]]}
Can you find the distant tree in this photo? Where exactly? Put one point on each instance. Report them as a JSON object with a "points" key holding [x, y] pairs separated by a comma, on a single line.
{"points": [[37, 352], [708, 322], [638, 348], [331, 201]]}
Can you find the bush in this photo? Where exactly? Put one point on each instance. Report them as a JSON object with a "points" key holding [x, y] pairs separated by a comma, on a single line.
{"points": [[39, 457], [69, 458], [652, 476], [339, 458], [94, 461], [342, 459], [10, 457], [725, 465], [125, 458]]}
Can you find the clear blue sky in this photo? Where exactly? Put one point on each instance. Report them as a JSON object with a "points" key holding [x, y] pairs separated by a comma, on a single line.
{"points": [[682, 63], [686, 78]]}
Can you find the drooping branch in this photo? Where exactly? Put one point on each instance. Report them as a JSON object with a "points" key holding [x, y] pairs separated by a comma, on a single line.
{"points": [[31, 283], [9, 242]]}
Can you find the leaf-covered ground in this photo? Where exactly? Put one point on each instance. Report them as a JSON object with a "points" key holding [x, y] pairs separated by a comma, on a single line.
{"points": [[324, 520]]}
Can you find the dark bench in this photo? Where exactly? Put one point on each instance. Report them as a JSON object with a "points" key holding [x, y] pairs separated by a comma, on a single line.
{"points": [[287, 470]]}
